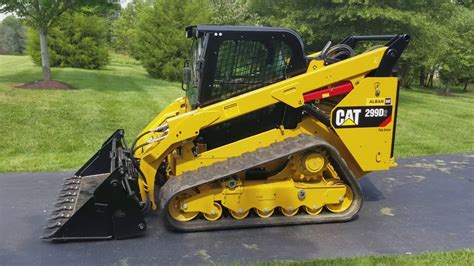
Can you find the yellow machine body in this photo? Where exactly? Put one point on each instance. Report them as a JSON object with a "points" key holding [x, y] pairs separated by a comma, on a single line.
{"points": [[364, 149], [264, 132]]}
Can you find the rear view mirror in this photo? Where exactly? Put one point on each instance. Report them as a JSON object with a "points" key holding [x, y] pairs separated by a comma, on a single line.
{"points": [[186, 76]]}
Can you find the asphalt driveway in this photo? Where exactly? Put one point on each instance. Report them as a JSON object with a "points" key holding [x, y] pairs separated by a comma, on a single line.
{"points": [[425, 204]]}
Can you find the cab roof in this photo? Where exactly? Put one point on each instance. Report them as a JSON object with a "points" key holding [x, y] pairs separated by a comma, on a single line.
{"points": [[244, 32]]}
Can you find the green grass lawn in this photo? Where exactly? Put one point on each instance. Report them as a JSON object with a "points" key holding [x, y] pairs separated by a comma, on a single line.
{"points": [[58, 130], [458, 257], [429, 123]]}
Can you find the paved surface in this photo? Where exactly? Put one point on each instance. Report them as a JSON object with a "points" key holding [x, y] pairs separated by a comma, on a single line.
{"points": [[427, 203]]}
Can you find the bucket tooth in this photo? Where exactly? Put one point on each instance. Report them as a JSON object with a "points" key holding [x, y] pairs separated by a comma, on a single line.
{"points": [[54, 225], [72, 182], [60, 215], [63, 201], [68, 188], [72, 178], [68, 194], [63, 208]]}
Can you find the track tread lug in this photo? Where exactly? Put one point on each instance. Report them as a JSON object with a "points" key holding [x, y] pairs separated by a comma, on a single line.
{"points": [[219, 170]]}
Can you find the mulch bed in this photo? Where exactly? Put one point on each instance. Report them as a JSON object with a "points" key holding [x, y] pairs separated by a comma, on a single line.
{"points": [[45, 85]]}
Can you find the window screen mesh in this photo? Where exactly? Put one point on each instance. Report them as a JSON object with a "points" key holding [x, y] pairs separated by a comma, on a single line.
{"points": [[243, 66]]}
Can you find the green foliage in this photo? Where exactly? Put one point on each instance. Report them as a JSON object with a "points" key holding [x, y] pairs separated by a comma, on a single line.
{"points": [[42, 15], [39, 14], [153, 31], [457, 63], [78, 40], [160, 43], [233, 12], [12, 36], [124, 28], [110, 13], [428, 22]]}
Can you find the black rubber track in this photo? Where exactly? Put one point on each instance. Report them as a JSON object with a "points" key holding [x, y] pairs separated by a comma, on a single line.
{"points": [[249, 160]]}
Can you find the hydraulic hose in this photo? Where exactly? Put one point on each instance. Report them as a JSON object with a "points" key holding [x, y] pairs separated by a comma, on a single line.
{"points": [[317, 113], [133, 149]]}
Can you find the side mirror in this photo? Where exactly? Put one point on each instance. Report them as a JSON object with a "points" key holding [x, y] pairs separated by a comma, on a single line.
{"points": [[186, 76]]}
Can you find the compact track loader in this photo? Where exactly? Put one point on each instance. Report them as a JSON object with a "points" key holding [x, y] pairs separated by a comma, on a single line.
{"points": [[265, 136]]}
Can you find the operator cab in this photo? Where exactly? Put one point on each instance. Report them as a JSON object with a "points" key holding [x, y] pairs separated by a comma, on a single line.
{"points": [[227, 61]]}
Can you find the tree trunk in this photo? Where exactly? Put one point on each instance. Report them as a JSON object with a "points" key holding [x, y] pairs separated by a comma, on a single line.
{"points": [[43, 36], [422, 78], [465, 84], [447, 90], [403, 73], [430, 80]]}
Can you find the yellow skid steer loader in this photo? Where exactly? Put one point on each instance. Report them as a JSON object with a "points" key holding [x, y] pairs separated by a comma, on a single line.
{"points": [[264, 136]]}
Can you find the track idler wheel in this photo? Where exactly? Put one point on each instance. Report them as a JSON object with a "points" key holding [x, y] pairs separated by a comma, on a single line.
{"points": [[176, 206], [344, 204]]}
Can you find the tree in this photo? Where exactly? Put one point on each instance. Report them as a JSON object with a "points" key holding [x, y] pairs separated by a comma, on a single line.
{"points": [[320, 21], [78, 40], [233, 12], [160, 44], [42, 14], [457, 62], [124, 28], [12, 36]]}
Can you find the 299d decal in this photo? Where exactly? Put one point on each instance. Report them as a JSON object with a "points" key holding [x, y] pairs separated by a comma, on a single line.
{"points": [[363, 116]]}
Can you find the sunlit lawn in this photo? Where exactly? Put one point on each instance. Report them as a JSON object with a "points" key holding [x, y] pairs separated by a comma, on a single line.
{"points": [[58, 130], [458, 257], [55, 130]]}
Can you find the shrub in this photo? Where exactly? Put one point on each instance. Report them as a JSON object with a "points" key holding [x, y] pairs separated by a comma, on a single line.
{"points": [[124, 28], [12, 36], [78, 40], [160, 44]]}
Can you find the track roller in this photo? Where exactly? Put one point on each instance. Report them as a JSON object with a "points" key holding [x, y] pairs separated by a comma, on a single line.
{"points": [[215, 214], [313, 211], [239, 215], [289, 212], [265, 213]]}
